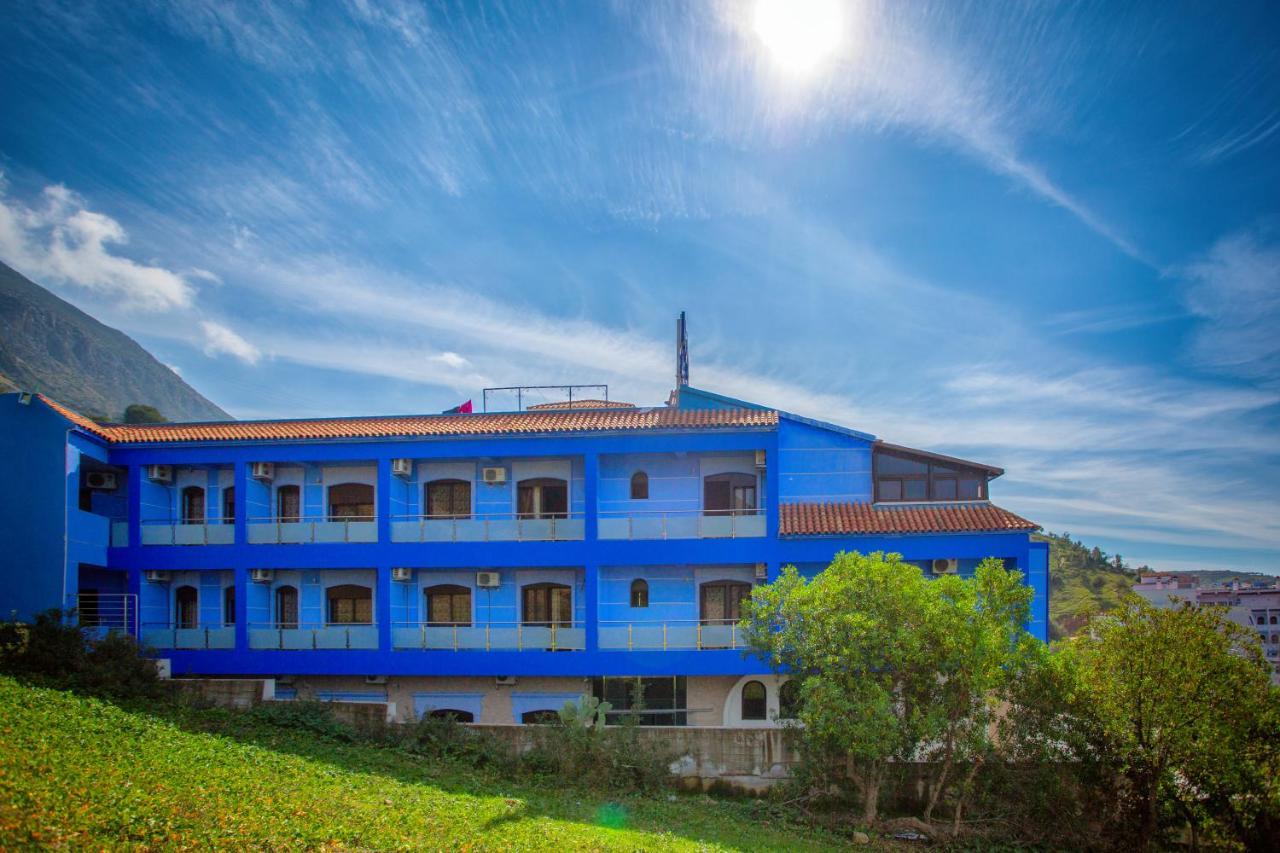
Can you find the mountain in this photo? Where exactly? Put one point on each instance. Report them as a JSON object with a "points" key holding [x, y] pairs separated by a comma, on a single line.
{"points": [[1082, 581], [49, 345]]}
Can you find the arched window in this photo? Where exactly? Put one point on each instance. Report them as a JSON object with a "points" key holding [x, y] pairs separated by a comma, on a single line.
{"points": [[542, 497], [639, 486], [193, 505], [287, 607], [535, 718], [729, 494], [447, 499], [350, 604], [721, 601], [547, 604], [186, 603], [789, 699], [754, 704], [639, 593], [448, 604], [451, 714], [228, 605], [350, 500], [288, 503], [229, 505]]}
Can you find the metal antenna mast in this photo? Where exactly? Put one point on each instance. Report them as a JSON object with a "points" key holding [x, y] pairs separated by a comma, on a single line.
{"points": [[682, 353]]}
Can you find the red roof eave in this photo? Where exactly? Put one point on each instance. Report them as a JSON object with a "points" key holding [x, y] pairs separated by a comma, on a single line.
{"points": [[834, 519]]}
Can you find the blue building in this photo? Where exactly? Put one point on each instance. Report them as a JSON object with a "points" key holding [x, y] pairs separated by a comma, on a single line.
{"points": [[492, 565]]}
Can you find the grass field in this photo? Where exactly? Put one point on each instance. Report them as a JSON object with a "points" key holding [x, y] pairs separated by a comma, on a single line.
{"points": [[81, 773]]}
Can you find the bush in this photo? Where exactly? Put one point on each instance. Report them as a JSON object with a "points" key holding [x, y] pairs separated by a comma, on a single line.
{"points": [[580, 747], [315, 717], [446, 738], [53, 652]]}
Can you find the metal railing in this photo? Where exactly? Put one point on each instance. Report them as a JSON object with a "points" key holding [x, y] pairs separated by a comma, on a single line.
{"points": [[681, 524], [673, 634], [170, 635], [107, 611], [489, 636], [211, 531], [269, 530], [275, 635], [495, 527]]}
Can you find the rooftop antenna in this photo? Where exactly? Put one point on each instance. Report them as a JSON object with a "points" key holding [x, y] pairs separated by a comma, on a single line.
{"points": [[682, 353]]}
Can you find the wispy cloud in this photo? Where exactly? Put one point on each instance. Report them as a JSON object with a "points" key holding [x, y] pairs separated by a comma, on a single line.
{"points": [[221, 340]]}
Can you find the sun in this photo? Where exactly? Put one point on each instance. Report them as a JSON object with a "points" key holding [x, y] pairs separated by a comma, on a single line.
{"points": [[799, 34]]}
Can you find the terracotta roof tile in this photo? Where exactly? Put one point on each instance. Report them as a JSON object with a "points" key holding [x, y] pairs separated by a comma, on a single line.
{"points": [[580, 404], [819, 519], [511, 423]]}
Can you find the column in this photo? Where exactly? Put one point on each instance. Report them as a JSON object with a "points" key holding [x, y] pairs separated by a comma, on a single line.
{"points": [[591, 589]]}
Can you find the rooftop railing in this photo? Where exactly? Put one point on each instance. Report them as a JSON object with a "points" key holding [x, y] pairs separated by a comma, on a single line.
{"points": [[682, 524], [490, 636], [671, 635], [494, 527], [296, 636], [293, 531]]}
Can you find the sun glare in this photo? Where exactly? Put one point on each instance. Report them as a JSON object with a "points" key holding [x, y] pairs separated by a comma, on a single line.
{"points": [[799, 34]]}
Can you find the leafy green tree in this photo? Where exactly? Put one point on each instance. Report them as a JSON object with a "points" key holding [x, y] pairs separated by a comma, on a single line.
{"points": [[893, 666], [139, 413]]}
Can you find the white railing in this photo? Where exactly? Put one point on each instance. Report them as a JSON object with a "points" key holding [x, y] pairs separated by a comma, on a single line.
{"points": [[169, 635], [293, 531], [498, 527], [107, 611], [212, 531], [490, 636], [681, 524], [274, 635], [674, 634]]}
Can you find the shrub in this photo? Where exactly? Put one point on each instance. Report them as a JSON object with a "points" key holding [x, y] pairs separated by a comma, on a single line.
{"points": [[315, 717], [446, 738], [54, 652], [578, 746]]}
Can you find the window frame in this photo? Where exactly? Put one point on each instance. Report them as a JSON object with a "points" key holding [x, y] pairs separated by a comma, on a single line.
{"points": [[350, 501], [640, 486], [281, 593], [552, 591], [357, 594], [229, 606], [187, 505], [454, 485], [282, 494], [639, 594], [936, 472], [186, 613], [762, 700], [736, 609], [736, 484], [229, 505], [536, 488], [453, 591]]}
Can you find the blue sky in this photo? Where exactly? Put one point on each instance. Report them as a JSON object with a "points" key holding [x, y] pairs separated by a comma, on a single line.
{"points": [[1042, 235]]}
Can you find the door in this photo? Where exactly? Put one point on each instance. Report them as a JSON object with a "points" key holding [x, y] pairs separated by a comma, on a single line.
{"points": [[544, 497], [547, 604]]}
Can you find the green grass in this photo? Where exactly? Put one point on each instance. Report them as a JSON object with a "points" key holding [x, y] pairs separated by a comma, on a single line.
{"points": [[82, 773]]}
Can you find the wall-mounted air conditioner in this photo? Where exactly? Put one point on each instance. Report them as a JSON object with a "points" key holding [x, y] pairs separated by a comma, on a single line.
{"points": [[156, 576], [945, 566], [261, 575], [761, 458], [100, 480], [160, 473], [402, 575], [488, 580], [505, 681], [402, 468], [375, 679], [494, 476], [263, 471]]}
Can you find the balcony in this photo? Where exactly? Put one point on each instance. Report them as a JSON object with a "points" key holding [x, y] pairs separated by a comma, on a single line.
{"points": [[119, 533], [487, 528], [164, 635], [682, 524], [274, 531], [491, 636], [673, 635], [317, 636], [213, 532]]}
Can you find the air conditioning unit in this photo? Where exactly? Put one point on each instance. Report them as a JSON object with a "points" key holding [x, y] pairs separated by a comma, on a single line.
{"points": [[156, 576], [761, 456], [263, 471], [494, 476], [261, 575], [488, 580], [160, 473], [103, 480], [402, 575], [945, 566], [375, 679], [402, 468], [505, 681], [762, 571]]}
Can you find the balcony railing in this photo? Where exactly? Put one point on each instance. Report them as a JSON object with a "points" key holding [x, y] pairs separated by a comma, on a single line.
{"points": [[213, 531], [489, 636], [686, 634], [119, 533], [293, 531], [313, 636], [505, 527], [682, 524], [102, 612], [167, 635]]}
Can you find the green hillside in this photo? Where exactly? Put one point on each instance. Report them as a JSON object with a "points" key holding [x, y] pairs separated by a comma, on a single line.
{"points": [[1082, 581], [49, 345]]}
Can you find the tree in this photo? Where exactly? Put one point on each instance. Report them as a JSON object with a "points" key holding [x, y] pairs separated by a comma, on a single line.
{"points": [[139, 413], [893, 666]]}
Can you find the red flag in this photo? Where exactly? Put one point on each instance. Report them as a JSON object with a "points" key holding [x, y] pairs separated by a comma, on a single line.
{"points": [[464, 409]]}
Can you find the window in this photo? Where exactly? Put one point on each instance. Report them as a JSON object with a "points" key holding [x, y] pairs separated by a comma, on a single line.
{"points": [[350, 501], [789, 699], [547, 604], [544, 497], [448, 604], [229, 505], [639, 486], [902, 477], [350, 604], [193, 505], [754, 701], [721, 601], [451, 714], [539, 718], [639, 593], [729, 494], [661, 699], [186, 602], [287, 607], [288, 504], [447, 499], [229, 606]]}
